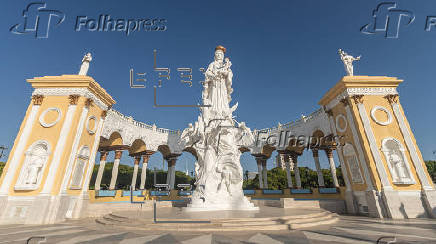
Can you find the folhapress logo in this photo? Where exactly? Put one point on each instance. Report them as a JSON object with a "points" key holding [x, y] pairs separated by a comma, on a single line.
{"points": [[38, 20], [387, 19]]}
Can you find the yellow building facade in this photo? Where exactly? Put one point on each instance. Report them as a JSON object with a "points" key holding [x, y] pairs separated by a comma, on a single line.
{"points": [[46, 178]]}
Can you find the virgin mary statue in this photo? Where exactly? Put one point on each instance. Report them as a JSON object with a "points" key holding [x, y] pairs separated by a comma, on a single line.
{"points": [[218, 85]]}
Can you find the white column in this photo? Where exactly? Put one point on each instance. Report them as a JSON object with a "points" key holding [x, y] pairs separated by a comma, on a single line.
{"points": [[285, 157], [294, 157], [74, 149], [329, 153], [168, 181], [135, 172], [103, 156], [145, 159], [60, 146], [318, 168], [259, 172], [265, 174], [115, 169], [19, 150]]}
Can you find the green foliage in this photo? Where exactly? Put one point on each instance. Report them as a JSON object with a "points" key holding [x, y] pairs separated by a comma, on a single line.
{"points": [[431, 168], [125, 174], [2, 165], [309, 179]]}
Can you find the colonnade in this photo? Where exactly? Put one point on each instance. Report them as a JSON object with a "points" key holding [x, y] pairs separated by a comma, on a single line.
{"points": [[290, 157], [145, 156]]}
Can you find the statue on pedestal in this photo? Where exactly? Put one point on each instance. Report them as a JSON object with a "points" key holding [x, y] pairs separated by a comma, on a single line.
{"points": [[348, 61], [216, 137], [85, 64]]}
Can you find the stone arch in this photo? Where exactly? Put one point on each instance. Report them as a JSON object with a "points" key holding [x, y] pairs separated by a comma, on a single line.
{"points": [[115, 139], [192, 151], [137, 146], [165, 150]]}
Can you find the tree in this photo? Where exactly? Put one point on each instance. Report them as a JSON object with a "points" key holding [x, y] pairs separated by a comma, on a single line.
{"points": [[431, 168]]}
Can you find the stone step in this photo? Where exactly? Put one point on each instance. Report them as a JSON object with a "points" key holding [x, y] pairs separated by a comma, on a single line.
{"points": [[309, 220], [312, 224]]}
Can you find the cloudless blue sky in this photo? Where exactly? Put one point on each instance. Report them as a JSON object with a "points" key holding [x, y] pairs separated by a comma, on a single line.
{"points": [[284, 56]]}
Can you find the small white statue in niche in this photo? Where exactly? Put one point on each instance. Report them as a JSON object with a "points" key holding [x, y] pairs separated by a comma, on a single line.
{"points": [[401, 172], [34, 162], [395, 156]]}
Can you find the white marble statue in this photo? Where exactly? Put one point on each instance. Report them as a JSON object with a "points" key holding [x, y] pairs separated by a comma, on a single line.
{"points": [[401, 174], [85, 64], [348, 61], [216, 137]]}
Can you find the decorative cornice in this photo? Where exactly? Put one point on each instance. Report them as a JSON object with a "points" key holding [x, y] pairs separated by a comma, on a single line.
{"points": [[84, 92], [367, 91], [37, 99]]}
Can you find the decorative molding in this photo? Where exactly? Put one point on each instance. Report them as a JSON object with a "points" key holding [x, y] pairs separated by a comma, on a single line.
{"points": [[380, 108], [337, 124], [84, 92], [43, 114], [93, 130], [37, 99], [73, 99], [368, 91]]}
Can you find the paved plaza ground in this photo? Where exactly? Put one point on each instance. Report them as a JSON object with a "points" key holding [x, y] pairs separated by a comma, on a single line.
{"points": [[348, 229]]}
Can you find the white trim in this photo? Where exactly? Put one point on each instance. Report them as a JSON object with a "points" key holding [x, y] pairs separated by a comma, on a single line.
{"points": [[365, 165], [377, 91], [341, 159], [412, 149], [381, 108], [84, 92], [373, 146], [341, 129], [91, 132], [74, 148], [21, 143], [54, 164], [91, 161], [42, 117]]}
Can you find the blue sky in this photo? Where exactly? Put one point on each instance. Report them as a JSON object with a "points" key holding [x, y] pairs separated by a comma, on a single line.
{"points": [[284, 56]]}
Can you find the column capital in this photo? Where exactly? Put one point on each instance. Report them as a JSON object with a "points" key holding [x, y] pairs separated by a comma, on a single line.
{"points": [[73, 99], [37, 99], [88, 102], [344, 101], [118, 154], [392, 98], [103, 155], [315, 152], [137, 160], [329, 152], [103, 114], [329, 112], [358, 99]]}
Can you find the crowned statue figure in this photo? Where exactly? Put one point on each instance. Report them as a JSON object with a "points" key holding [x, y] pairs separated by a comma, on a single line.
{"points": [[216, 138]]}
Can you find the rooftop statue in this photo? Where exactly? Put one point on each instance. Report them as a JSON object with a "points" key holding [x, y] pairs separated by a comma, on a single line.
{"points": [[348, 61]]}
